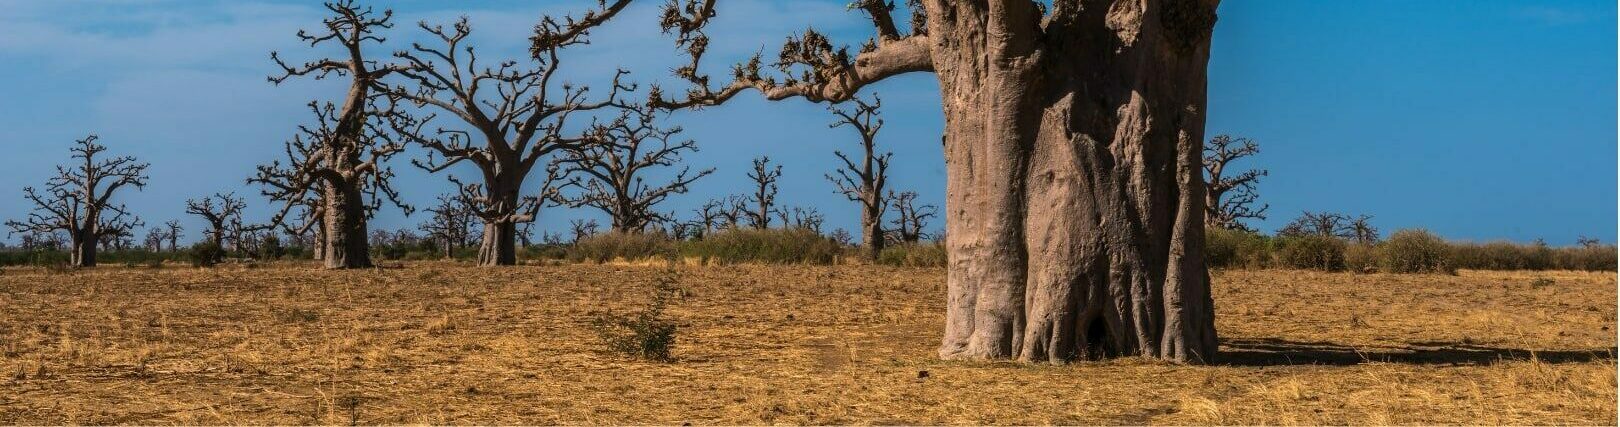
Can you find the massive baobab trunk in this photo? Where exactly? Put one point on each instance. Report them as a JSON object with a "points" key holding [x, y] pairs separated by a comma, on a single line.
{"points": [[1074, 187], [1074, 195], [84, 246], [344, 243]]}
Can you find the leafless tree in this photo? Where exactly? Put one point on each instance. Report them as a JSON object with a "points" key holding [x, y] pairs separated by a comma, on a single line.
{"points": [[613, 161], [172, 230], [223, 212], [910, 218], [154, 239], [519, 116], [1362, 230], [801, 218], [1055, 117], [78, 200], [119, 237], [1327, 224], [864, 181], [764, 197], [1229, 199], [343, 155], [452, 224], [582, 228]]}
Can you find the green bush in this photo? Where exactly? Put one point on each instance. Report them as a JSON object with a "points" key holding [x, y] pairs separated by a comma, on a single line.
{"points": [[205, 254], [914, 255], [1415, 251], [646, 334], [772, 246], [606, 247], [1225, 248], [1311, 252]]}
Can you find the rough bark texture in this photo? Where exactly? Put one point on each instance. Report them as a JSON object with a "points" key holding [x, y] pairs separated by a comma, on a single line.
{"points": [[500, 244], [1074, 193], [345, 238]]}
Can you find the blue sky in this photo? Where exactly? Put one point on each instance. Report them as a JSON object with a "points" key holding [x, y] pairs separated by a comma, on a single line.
{"points": [[1479, 120]]}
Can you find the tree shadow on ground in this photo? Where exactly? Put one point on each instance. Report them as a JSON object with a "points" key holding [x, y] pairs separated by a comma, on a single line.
{"points": [[1278, 352]]}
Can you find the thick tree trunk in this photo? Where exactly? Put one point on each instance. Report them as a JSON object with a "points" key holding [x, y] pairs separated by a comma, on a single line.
{"points": [[84, 249], [345, 244], [871, 233], [1074, 191], [499, 247]]}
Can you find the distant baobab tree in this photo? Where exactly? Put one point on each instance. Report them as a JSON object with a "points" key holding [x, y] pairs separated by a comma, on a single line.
{"points": [[764, 197], [1229, 198], [222, 212], [611, 164], [582, 228], [804, 218], [910, 218], [864, 181], [518, 115], [172, 230], [343, 154], [78, 200], [1362, 230], [1056, 117], [452, 224], [1326, 224]]}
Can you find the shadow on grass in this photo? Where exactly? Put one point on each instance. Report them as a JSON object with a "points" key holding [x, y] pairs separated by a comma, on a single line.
{"points": [[1278, 352]]}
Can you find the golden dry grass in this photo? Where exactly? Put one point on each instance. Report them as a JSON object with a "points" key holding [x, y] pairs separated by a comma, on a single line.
{"points": [[451, 344]]}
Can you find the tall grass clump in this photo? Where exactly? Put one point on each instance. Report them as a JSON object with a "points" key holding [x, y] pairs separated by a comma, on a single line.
{"points": [[645, 334], [606, 247], [1415, 251], [770, 246], [913, 255]]}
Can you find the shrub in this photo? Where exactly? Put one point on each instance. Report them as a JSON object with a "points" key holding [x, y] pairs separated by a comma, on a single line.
{"points": [[1225, 248], [914, 255], [1361, 258], [205, 254], [772, 246], [644, 335], [605, 247], [1311, 252], [1415, 251]]}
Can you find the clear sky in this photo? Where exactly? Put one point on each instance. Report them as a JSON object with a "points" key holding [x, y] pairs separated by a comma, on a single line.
{"points": [[1477, 119]]}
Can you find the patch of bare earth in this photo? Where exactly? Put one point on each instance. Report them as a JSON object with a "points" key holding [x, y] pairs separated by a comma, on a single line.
{"points": [[446, 343]]}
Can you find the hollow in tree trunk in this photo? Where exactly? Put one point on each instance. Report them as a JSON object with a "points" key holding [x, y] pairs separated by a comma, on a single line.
{"points": [[84, 246], [345, 231]]}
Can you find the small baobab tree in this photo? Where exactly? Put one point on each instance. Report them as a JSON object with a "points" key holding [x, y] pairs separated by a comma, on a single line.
{"points": [[613, 161], [1362, 231], [222, 212], [803, 218], [518, 116], [764, 196], [1056, 118], [910, 218], [1326, 224], [582, 228], [172, 232], [452, 225], [341, 159], [864, 181], [78, 200], [1229, 197]]}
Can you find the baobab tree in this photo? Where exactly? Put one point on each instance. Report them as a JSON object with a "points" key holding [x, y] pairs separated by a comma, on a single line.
{"points": [[1326, 224], [172, 230], [802, 218], [1362, 230], [1056, 118], [222, 211], [518, 115], [910, 218], [343, 154], [452, 224], [78, 200], [764, 197], [582, 228], [613, 162], [863, 181], [1228, 199]]}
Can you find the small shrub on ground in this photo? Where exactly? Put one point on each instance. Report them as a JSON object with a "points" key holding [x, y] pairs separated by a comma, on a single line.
{"points": [[646, 334], [1311, 252], [1415, 251]]}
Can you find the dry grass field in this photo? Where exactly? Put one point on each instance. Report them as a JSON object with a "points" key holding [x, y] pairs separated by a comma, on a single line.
{"points": [[451, 344]]}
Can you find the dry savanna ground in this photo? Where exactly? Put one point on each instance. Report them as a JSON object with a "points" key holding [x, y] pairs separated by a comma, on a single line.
{"points": [[446, 343]]}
